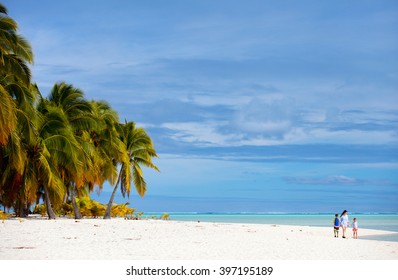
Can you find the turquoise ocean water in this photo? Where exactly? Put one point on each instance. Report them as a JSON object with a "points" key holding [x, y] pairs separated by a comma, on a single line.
{"points": [[380, 221]]}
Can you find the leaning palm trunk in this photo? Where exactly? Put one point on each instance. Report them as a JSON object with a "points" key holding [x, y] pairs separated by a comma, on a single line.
{"points": [[76, 209], [50, 211], [20, 204], [20, 208], [109, 207]]}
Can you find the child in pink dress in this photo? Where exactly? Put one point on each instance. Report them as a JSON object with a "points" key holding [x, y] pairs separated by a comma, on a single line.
{"points": [[355, 229]]}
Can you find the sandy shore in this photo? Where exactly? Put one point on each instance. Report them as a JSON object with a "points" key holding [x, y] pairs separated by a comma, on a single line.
{"points": [[116, 239]]}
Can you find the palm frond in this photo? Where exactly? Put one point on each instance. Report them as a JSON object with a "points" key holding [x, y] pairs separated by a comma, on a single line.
{"points": [[8, 121], [3, 9], [7, 24], [14, 64], [139, 182], [23, 49]]}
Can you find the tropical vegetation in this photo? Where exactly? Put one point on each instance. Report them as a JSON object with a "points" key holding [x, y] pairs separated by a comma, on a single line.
{"points": [[58, 149]]}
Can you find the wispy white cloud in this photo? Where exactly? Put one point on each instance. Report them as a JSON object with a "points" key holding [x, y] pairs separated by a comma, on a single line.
{"points": [[274, 119], [200, 134], [338, 180]]}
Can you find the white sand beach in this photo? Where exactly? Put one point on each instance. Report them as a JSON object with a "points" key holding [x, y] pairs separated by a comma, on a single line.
{"points": [[119, 239]]}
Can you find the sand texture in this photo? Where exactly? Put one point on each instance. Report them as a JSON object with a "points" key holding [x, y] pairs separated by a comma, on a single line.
{"points": [[119, 239]]}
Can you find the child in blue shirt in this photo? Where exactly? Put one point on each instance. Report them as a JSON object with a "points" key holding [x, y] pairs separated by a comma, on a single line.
{"points": [[336, 225]]}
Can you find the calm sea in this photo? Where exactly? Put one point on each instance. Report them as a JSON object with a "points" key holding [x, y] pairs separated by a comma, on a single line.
{"points": [[387, 222]]}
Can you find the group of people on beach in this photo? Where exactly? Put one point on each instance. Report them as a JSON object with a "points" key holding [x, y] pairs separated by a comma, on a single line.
{"points": [[343, 222]]}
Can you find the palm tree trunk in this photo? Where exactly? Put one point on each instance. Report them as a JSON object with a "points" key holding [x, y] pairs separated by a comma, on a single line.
{"points": [[20, 209], [109, 207], [50, 211], [21, 199], [27, 209], [20, 206], [76, 209], [65, 198]]}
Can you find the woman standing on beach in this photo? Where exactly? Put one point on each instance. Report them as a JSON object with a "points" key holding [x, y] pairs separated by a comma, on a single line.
{"points": [[344, 222]]}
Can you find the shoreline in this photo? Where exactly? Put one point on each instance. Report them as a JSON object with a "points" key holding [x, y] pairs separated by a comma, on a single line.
{"points": [[212, 218], [118, 239], [385, 221]]}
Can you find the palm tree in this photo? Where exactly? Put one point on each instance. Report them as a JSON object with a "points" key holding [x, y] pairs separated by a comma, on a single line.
{"points": [[15, 54], [13, 155], [17, 96], [110, 149], [58, 151], [79, 115], [140, 150], [51, 145]]}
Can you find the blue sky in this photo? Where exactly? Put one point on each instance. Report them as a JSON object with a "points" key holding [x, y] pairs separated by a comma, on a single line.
{"points": [[266, 106]]}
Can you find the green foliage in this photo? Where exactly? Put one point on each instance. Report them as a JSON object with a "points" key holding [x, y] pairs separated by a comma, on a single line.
{"points": [[4, 216], [40, 209], [90, 208], [165, 216], [122, 210], [139, 215], [97, 209], [66, 210]]}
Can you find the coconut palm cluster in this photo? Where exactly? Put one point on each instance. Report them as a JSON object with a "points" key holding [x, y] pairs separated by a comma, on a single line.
{"points": [[60, 148]]}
